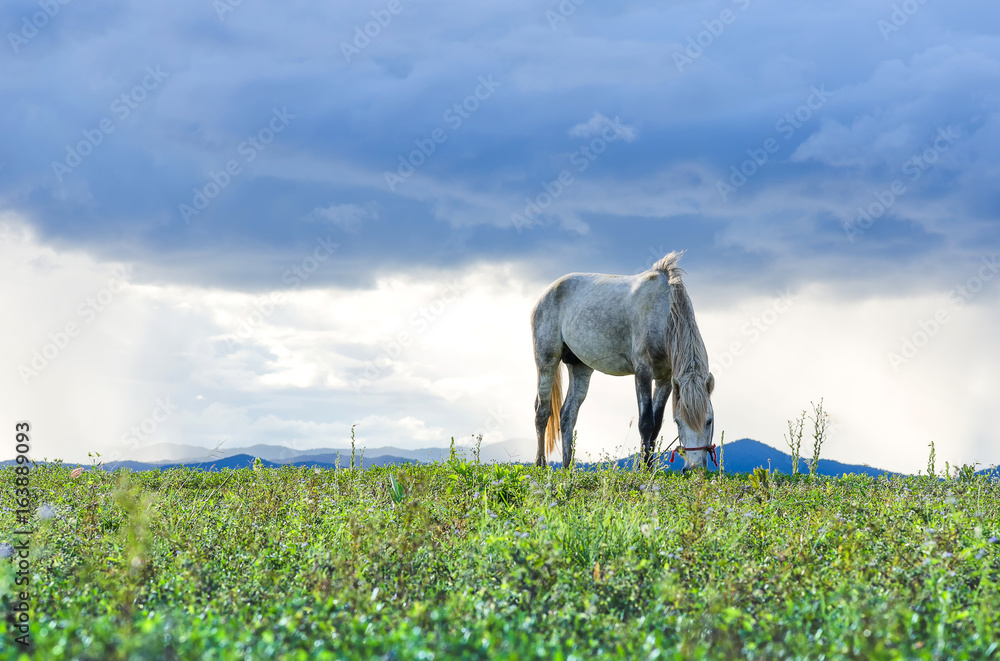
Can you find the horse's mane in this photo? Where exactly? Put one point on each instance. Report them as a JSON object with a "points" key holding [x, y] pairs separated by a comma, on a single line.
{"points": [[688, 356]]}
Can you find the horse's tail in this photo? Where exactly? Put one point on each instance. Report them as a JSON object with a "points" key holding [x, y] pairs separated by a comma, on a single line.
{"points": [[554, 429]]}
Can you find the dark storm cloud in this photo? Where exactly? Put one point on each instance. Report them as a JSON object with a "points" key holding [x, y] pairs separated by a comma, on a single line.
{"points": [[213, 143]]}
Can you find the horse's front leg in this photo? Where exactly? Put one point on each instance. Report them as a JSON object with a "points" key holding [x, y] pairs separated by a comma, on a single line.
{"points": [[647, 421], [660, 395]]}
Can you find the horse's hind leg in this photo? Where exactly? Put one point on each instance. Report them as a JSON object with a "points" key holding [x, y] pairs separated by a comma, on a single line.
{"points": [[579, 382], [543, 405], [548, 353]]}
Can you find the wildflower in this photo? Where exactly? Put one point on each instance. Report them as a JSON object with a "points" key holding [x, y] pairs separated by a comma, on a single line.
{"points": [[947, 554], [6, 550], [644, 529], [994, 540], [522, 535]]}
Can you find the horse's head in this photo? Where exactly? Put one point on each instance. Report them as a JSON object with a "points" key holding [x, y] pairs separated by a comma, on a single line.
{"points": [[694, 417]]}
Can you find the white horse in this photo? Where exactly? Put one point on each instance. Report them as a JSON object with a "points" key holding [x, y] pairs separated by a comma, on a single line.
{"points": [[623, 324]]}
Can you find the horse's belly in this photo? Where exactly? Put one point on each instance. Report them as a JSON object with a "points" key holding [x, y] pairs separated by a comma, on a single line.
{"points": [[612, 367], [600, 357]]}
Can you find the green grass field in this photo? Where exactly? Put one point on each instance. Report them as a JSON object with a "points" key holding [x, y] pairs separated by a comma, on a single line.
{"points": [[458, 560]]}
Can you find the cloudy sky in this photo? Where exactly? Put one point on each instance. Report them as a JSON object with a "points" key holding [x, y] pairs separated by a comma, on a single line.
{"points": [[251, 222]]}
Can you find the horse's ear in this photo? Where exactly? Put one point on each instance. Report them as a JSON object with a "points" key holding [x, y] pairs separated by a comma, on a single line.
{"points": [[710, 384]]}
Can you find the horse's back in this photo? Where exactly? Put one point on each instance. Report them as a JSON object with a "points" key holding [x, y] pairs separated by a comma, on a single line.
{"points": [[601, 317]]}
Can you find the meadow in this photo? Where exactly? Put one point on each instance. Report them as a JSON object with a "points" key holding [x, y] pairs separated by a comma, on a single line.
{"points": [[462, 560]]}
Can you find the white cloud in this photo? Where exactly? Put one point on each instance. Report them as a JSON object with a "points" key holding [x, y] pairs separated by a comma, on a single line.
{"points": [[467, 366], [345, 216], [864, 143], [597, 124]]}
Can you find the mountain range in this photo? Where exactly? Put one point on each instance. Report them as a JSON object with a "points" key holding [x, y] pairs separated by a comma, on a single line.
{"points": [[740, 456]]}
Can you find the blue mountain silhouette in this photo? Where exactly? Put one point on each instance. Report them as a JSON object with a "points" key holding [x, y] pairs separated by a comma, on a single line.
{"points": [[740, 456]]}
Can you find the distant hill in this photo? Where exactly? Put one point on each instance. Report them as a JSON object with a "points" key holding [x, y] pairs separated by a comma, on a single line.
{"points": [[171, 454], [746, 454], [236, 461], [741, 456], [345, 462], [247, 461]]}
